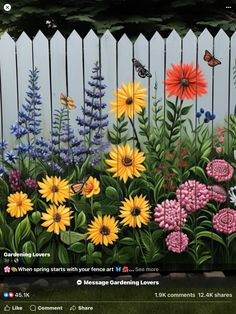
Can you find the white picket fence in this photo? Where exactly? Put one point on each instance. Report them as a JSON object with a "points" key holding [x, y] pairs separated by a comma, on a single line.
{"points": [[65, 66]]}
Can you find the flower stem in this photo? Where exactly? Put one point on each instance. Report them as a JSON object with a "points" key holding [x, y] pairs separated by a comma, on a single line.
{"points": [[140, 246], [91, 205], [177, 115], [135, 134]]}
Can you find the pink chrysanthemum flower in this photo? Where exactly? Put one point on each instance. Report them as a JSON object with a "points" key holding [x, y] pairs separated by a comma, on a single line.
{"points": [[220, 170], [177, 242], [225, 221], [217, 193], [170, 215], [193, 195]]}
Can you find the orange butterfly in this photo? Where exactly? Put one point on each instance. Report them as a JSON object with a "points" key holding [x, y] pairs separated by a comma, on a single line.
{"points": [[67, 101], [210, 59], [77, 188]]}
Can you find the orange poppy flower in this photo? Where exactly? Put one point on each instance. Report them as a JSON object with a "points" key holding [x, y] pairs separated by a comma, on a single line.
{"points": [[185, 81]]}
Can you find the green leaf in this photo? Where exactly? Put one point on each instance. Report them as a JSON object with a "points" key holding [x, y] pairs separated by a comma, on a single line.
{"points": [[128, 241], [63, 255], [77, 247], [43, 239], [90, 248], [112, 193], [203, 259], [171, 105], [145, 240], [43, 205], [199, 172], [157, 189], [30, 248], [212, 236], [185, 110], [81, 220], [157, 235], [4, 188], [22, 232], [107, 181], [70, 237], [170, 116], [2, 242], [230, 238]]}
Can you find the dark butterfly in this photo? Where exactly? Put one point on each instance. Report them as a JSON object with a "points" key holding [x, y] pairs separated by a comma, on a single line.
{"points": [[77, 188], [142, 71], [210, 59]]}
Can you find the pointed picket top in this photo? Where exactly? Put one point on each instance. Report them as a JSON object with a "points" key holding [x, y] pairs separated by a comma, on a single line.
{"points": [[173, 36], [173, 49], [74, 36], [205, 34], [6, 36], [39, 36], [233, 36], [190, 36], [189, 47], [124, 38], [57, 36], [23, 38], [141, 38], [108, 36], [91, 36], [156, 37], [221, 35]]}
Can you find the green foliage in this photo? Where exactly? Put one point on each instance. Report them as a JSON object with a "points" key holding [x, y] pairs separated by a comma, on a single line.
{"points": [[119, 16], [119, 133]]}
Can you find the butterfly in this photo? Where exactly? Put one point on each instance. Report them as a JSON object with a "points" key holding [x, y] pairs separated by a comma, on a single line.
{"points": [[67, 101], [77, 188], [210, 59], [142, 71]]}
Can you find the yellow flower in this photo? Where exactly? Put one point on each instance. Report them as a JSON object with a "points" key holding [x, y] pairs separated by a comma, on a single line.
{"points": [[18, 204], [125, 162], [54, 189], [57, 218], [135, 211], [103, 230], [129, 100], [91, 187]]}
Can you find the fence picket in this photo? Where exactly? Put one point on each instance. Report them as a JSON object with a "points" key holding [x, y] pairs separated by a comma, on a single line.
{"points": [[8, 86], [190, 57], [108, 65], [24, 65], [221, 77], [58, 69], [75, 76], [232, 79], [205, 42], [157, 67], [125, 67], [41, 62]]}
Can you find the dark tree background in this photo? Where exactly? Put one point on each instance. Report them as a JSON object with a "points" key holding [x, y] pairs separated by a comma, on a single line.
{"points": [[119, 16]]}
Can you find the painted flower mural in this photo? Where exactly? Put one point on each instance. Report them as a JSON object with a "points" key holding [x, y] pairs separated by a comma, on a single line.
{"points": [[144, 190]]}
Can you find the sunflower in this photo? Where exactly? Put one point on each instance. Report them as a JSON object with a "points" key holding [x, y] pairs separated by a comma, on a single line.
{"points": [[54, 189], [129, 99], [18, 204], [135, 211], [125, 162], [185, 81], [91, 187], [57, 218], [103, 230]]}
